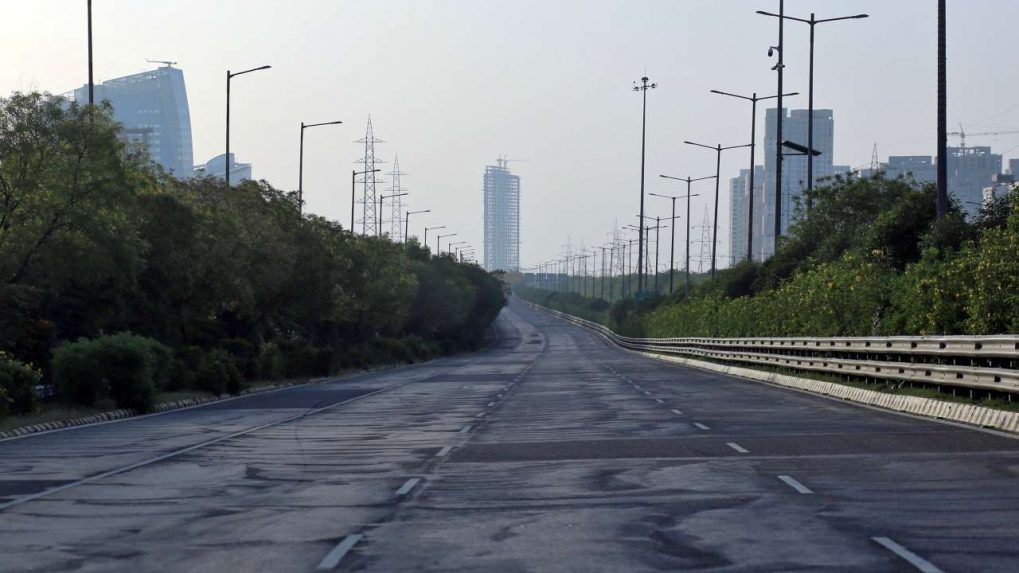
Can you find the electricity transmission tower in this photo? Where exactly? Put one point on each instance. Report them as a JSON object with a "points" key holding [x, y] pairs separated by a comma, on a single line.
{"points": [[396, 202], [705, 241], [369, 198]]}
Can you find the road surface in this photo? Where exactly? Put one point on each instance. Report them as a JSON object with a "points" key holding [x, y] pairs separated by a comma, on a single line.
{"points": [[551, 451]]}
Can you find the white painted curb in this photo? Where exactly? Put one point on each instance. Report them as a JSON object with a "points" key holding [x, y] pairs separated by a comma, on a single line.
{"points": [[157, 409], [927, 407]]}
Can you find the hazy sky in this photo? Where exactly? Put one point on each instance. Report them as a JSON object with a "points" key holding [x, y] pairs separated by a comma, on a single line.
{"points": [[452, 84]]}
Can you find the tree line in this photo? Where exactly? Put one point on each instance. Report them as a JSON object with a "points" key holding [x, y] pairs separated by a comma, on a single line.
{"points": [[869, 258], [118, 280]]}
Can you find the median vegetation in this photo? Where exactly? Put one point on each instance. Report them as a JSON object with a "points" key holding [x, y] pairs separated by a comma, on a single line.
{"points": [[869, 258], [119, 282]]}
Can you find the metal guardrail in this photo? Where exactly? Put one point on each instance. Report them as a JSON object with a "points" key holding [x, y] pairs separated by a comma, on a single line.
{"points": [[986, 363]]}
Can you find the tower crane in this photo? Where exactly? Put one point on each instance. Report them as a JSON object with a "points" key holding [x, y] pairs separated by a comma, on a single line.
{"points": [[166, 62], [502, 161], [962, 134]]}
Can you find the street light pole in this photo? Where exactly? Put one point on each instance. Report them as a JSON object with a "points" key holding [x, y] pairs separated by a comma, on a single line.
{"points": [[406, 225], [812, 22], [780, 68], [942, 176], [353, 193], [602, 272], [629, 267], [718, 178], [300, 166], [91, 83], [438, 240], [672, 249], [753, 146], [378, 218], [658, 242], [612, 257], [230, 76], [689, 181], [425, 241], [643, 88]]}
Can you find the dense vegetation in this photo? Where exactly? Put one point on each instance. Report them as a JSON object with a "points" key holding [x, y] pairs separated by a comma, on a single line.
{"points": [[118, 281], [870, 258]]}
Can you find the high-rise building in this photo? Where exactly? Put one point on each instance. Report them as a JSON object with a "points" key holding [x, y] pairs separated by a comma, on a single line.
{"points": [[1003, 184], [502, 218], [794, 167], [153, 108], [739, 213], [216, 167], [920, 167], [970, 171]]}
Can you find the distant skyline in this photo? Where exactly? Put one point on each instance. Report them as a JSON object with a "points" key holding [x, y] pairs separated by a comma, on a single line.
{"points": [[451, 85]]}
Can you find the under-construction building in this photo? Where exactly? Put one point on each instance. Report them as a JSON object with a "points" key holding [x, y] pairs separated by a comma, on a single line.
{"points": [[502, 218]]}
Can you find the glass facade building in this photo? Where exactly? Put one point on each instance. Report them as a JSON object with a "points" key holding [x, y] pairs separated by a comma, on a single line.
{"points": [[794, 167], [153, 108]]}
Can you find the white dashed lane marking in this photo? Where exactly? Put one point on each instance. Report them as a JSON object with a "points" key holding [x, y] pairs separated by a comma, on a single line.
{"points": [[443, 451], [332, 559], [677, 412], [737, 447], [795, 485], [408, 486], [701, 426], [912, 558]]}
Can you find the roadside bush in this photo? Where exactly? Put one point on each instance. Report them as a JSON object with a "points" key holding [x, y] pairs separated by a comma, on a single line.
{"points": [[218, 373], [301, 359], [392, 350], [298, 358], [119, 367], [270, 362], [355, 356], [17, 386], [162, 364], [179, 376], [422, 349], [245, 355]]}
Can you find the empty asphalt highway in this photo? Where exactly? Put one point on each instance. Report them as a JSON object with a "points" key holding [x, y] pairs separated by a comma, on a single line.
{"points": [[551, 451]]}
